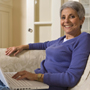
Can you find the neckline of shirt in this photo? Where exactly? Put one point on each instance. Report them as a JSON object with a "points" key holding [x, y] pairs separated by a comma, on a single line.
{"points": [[64, 39]]}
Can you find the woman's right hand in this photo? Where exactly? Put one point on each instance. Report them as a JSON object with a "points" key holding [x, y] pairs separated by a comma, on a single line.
{"points": [[16, 49]]}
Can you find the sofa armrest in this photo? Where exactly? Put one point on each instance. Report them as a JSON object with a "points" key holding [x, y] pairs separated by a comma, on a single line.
{"points": [[26, 60]]}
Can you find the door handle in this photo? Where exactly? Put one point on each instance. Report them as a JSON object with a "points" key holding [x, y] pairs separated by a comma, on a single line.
{"points": [[30, 30]]}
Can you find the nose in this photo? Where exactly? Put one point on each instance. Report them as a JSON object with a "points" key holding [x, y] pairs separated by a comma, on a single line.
{"points": [[66, 20]]}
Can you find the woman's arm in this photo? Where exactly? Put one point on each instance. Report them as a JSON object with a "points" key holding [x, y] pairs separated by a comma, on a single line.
{"points": [[42, 46], [31, 46]]}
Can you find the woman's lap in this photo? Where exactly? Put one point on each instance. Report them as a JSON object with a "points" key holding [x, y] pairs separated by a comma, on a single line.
{"points": [[3, 87]]}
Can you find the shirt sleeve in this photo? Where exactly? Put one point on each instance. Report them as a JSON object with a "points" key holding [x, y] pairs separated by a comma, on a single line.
{"points": [[78, 62], [42, 46]]}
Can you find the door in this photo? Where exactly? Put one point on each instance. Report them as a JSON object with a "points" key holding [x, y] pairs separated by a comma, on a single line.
{"points": [[43, 20]]}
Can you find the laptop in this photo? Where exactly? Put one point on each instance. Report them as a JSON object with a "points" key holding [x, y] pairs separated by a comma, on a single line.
{"points": [[13, 84]]}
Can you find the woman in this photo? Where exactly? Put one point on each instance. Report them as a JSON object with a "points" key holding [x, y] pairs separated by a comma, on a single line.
{"points": [[66, 57]]}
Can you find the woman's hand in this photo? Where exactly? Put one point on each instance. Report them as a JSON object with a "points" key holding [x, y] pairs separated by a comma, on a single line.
{"points": [[25, 75], [16, 49]]}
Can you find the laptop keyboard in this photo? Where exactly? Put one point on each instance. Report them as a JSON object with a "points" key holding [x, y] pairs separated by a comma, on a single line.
{"points": [[23, 84], [17, 83]]}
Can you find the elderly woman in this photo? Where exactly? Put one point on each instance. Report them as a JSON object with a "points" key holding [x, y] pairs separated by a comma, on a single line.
{"points": [[66, 57]]}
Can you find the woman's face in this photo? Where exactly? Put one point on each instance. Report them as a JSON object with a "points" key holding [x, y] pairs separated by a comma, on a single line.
{"points": [[70, 21]]}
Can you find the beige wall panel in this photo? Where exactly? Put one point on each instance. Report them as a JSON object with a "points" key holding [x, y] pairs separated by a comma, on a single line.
{"points": [[5, 23], [0, 29], [42, 33], [5, 29], [6, 2], [45, 33], [43, 10], [19, 22]]}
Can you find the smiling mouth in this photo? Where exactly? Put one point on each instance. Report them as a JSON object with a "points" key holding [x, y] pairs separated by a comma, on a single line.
{"points": [[68, 26]]}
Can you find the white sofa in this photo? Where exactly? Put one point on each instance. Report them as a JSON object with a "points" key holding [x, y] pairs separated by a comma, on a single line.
{"points": [[30, 60]]}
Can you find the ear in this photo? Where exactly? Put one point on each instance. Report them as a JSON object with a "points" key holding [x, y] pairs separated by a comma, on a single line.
{"points": [[82, 20]]}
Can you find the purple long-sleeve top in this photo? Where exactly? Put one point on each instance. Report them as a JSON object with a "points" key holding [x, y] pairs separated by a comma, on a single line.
{"points": [[65, 61]]}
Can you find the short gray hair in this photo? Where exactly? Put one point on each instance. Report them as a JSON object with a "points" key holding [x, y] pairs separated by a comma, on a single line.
{"points": [[76, 6]]}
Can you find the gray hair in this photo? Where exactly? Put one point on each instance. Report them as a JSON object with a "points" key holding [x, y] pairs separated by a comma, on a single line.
{"points": [[76, 6]]}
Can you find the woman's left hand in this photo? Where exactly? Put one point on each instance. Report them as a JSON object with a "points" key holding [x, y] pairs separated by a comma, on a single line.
{"points": [[25, 75]]}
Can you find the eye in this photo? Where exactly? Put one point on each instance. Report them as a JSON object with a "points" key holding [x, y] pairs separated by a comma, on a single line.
{"points": [[72, 16], [62, 17]]}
